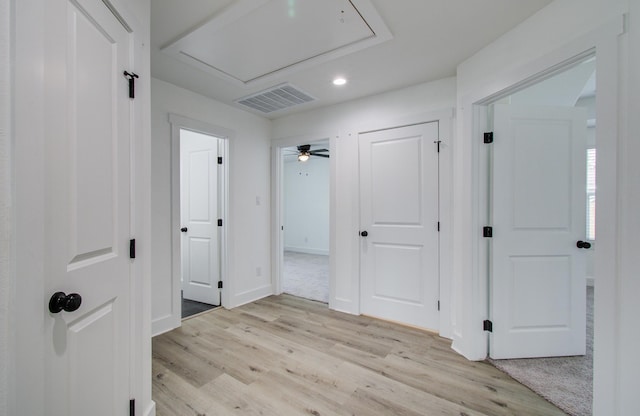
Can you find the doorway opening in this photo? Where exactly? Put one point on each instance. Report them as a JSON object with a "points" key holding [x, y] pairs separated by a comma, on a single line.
{"points": [[541, 194], [200, 221], [199, 186], [305, 220]]}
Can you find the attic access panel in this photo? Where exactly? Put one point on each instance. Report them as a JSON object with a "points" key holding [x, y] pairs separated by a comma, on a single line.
{"points": [[254, 39]]}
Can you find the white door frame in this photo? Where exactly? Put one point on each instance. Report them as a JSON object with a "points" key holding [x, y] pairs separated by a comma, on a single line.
{"points": [[472, 297], [446, 131], [177, 123], [277, 206]]}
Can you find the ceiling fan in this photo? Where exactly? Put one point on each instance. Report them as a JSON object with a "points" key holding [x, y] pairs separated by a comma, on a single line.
{"points": [[304, 152]]}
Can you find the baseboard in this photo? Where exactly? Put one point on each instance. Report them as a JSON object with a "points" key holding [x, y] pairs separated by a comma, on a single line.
{"points": [[342, 305], [250, 296], [151, 409], [306, 250], [164, 324]]}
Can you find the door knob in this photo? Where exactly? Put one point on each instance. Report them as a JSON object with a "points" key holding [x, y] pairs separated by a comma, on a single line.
{"points": [[364, 233], [183, 229], [583, 244], [63, 302]]}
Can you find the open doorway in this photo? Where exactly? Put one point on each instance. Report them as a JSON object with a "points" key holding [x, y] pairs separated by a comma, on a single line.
{"points": [[200, 220], [199, 184], [542, 196], [305, 220]]}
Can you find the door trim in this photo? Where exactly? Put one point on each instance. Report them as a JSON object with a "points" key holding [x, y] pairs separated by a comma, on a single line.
{"points": [[471, 211], [445, 120], [277, 206], [177, 123]]}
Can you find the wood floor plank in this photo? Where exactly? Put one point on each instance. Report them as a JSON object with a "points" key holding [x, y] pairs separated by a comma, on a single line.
{"points": [[288, 356]]}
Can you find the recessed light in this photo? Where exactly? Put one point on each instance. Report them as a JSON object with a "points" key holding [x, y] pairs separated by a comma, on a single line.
{"points": [[339, 81]]}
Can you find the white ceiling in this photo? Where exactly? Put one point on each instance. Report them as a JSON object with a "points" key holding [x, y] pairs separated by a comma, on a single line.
{"points": [[429, 38]]}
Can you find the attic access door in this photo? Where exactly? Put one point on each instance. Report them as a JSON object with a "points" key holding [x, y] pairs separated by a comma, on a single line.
{"points": [[399, 247], [538, 269], [200, 207]]}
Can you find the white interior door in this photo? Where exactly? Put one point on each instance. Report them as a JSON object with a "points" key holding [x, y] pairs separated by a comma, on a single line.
{"points": [[199, 217], [88, 203], [399, 213], [539, 199]]}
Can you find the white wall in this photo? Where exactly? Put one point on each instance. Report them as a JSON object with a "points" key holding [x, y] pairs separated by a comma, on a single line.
{"points": [[248, 222], [563, 28], [306, 205], [6, 214], [628, 307], [342, 123]]}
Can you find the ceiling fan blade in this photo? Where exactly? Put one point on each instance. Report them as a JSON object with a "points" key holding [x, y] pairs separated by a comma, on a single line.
{"points": [[319, 151], [319, 154]]}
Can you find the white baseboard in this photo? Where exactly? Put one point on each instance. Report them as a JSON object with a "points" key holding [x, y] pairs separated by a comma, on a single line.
{"points": [[251, 295], [307, 250], [151, 409], [165, 324]]}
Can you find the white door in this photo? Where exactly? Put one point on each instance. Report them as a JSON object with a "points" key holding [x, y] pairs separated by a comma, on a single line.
{"points": [[200, 246], [539, 199], [88, 183], [399, 225]]}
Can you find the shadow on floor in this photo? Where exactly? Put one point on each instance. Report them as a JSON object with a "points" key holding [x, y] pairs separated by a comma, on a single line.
{"points": [[191, 307]]}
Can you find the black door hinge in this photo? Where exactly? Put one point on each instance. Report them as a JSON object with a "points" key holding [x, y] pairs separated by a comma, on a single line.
{"points": [[132, 407], [487, 325], [488, 137], [487, 232], [219, 160], [219, 284], [132, 248], [438, 305], [132, 83], [220, 222], [437, 142], [438, 226]]}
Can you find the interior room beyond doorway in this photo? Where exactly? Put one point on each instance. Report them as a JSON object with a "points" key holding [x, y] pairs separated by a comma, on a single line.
{"points": [[305, 196]]}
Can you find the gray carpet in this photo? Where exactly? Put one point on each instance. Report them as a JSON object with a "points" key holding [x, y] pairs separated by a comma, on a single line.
{"points": [[306, 276], [566, 382]]}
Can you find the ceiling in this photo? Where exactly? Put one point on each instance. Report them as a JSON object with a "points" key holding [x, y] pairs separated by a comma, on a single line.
{"points": [[232, 49]]}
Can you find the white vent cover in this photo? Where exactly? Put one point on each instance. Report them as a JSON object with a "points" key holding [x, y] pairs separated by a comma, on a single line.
{"points": [[275, 98]]}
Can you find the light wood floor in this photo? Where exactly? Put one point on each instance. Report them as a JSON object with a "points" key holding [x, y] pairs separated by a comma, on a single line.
{"points": [[287, 356]]}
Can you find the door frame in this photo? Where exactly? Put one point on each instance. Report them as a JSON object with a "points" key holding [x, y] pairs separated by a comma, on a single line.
{"points": [[446, 132], [218, 153], [178, 123], [439, 211], [277, 206], [471, 277]]}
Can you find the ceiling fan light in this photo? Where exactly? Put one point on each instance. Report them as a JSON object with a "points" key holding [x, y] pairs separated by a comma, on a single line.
{"points": [[303, 156]]}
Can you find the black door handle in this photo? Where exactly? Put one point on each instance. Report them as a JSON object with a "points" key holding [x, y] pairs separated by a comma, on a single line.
{"points": [[183, 229], [63, 302], [364, 233], [583, 244]]}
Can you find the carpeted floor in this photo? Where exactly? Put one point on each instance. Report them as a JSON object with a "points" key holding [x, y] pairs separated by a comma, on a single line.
{"points": [[566, 382], [306, 276]]}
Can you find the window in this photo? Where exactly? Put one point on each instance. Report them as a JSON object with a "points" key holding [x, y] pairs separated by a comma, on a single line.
{"points": [[591, 194]]}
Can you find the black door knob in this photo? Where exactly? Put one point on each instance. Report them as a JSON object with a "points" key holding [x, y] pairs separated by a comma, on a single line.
{"points": [[183, 229], [364, 233], [63, 302], [583, 244]]}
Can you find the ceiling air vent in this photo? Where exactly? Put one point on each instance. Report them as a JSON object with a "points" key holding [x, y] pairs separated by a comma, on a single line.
{"points": [[276, 98]]}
